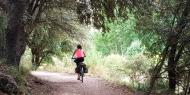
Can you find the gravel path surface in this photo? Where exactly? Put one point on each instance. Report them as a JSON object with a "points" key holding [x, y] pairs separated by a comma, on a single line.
{"points": [[47, 83]]}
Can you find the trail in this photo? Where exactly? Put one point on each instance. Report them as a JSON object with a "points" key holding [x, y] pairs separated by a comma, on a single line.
{"points": [[47, 83]]}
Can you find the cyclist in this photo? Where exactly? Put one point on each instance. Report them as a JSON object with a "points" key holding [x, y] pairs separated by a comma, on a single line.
{"points": [[79, 55]]}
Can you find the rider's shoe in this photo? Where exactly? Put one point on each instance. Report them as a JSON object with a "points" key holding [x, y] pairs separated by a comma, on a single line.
{"points": [[78, 78]]}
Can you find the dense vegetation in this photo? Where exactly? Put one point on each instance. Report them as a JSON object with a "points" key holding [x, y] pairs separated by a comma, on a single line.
{"points": [[144, 43]]}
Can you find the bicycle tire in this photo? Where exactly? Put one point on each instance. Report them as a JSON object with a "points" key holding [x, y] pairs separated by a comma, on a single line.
{"points": [[82, 74]]}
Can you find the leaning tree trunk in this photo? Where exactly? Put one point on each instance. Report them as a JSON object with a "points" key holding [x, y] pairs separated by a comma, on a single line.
{"points": [[16, 36], [173, 41]]}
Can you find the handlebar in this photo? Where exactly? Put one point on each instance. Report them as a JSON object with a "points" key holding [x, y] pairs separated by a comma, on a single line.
{"points": [[73, 58]]}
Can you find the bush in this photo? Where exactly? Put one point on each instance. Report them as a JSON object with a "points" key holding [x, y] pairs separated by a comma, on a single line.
{"points": [[129, 70], [59, 65], [137, 69]]}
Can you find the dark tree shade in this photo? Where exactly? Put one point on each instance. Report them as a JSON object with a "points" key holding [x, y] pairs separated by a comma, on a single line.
{"points": [[16, 36]]}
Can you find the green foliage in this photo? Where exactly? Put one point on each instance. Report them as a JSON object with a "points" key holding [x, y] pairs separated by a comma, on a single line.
{"points": [[46, 39], [119, 38], [136, 47], [54, 34]]}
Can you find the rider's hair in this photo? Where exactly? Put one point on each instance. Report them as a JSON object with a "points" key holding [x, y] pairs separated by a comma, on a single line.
{"points": [[79, 46]]}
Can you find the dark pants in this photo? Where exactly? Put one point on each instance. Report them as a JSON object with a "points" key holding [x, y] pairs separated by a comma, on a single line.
{"points": [[78, 61]]}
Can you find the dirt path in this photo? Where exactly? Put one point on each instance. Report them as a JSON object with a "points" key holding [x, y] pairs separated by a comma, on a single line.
{"points": [[47, 83]]}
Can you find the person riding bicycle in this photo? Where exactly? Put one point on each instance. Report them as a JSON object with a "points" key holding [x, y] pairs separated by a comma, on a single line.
{"points": [[79, 55]]}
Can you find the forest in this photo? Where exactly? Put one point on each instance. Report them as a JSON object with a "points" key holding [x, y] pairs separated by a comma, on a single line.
{"points": [[143, 45]]}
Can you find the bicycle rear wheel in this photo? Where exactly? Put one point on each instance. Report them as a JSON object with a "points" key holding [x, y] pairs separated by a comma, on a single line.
{"points": [[82, 74]]}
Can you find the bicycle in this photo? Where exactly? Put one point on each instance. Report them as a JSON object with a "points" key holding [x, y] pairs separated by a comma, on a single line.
{"points": [[81, 70]]}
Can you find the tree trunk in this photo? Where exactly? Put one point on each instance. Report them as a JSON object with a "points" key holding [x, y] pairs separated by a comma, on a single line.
{"points": [[172, 68], [33, 61], [35, 58], [187, 85], [16, 36], [173, 41], [157, 70]]}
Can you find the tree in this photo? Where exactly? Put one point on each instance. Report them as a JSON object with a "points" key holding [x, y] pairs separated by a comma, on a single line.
{"points": [[43, 13], [175, 46], [16, 35], [166, 19], [55, 24]]}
